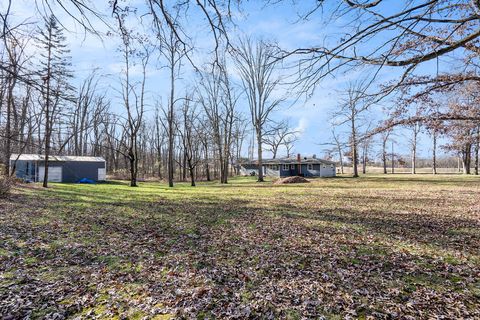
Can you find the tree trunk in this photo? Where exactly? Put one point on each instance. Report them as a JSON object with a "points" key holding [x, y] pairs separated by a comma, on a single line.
{"points": [[340, 154], [364, 159], [393, 160], [259, 152], [477, 150], [384, 158], [414, 160], [192, 173], [466, 158], [170, 141], [47, 147], [184, 174], [8, 133], [354, 160], [354, 146], [274, 152], [207, 167], [133, 173], [434, 153], [341, 164], [48, 121], [159, 159]]}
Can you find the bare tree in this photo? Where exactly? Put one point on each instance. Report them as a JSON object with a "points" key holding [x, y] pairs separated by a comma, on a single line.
{"points": [[412, 33], [219, 102], [277, 134], [257, 66], [189, 137], [384, 136], [133, 94], [416, 129], [365, 145], [435, 129], [239, 135], [289, 144], [351, 111], [82, 113], [173, 50], [339, 147], [14, 48]]}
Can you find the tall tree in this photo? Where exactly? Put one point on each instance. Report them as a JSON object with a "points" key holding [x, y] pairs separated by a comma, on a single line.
{"points": [[351, 112], [219, 101], [339, 148], [416, 129], [134, 46], [384, 136], [55, 75], [258, 69], [173, 50], [189, 137]]}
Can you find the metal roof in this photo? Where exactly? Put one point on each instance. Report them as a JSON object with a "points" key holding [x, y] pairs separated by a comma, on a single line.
{"points": [[295, 161], [41, 157]]}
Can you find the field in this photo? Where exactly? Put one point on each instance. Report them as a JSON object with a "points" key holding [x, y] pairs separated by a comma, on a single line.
{"points": [[375, 247]]}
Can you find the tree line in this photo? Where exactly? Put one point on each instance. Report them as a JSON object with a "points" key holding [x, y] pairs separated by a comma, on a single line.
{"points": [[201, 133], [197, 134]]}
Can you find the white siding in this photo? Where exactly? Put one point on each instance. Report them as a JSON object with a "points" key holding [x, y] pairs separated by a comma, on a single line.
{"points": [[272, 173], [327, 170]]}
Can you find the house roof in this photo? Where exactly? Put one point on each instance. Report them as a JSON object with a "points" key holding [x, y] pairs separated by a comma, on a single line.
{"points": [[41, 157], [294, 160]]}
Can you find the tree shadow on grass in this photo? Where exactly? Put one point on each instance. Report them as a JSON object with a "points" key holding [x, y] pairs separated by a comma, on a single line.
{"points": [[223, 258], [434, 231]]}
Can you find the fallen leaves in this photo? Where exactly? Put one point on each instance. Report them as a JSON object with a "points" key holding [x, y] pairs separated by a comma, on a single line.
{"points": [[331, 248]]}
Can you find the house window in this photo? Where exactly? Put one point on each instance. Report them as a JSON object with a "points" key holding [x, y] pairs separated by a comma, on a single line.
{"points": [[324, 166], [309, 166], [285, 166], [292, 166], [275, 167], [331, 166]]}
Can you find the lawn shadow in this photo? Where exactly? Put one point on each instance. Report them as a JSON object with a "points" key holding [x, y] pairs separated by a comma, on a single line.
{"points": [[212, 256]]}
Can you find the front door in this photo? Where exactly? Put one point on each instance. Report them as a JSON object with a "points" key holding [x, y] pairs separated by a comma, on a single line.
{"points": [[293, 170]]}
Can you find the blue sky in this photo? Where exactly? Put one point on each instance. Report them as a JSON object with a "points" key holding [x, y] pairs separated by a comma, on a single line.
{"points": [[274, 22]]}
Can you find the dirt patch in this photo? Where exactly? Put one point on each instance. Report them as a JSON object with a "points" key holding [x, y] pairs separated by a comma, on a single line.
{"points": [[292, 180]]}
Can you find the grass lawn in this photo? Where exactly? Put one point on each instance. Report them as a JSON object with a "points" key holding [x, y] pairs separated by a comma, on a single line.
{"points": [[382, 247]]}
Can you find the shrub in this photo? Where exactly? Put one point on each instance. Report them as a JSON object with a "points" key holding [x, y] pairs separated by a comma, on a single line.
{"points": [[5, 186]]}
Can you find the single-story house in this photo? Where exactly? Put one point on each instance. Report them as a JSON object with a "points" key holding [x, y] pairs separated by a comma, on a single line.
{"points": [[31, 167], [296, 166]]}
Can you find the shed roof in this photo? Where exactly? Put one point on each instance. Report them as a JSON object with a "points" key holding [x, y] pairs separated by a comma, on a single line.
{"points": [[41, 157], [294, 160]]}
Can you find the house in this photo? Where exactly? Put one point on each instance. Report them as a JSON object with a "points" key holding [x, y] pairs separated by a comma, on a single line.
{"points": [[296, 166], [31, 167], [299, 166]]}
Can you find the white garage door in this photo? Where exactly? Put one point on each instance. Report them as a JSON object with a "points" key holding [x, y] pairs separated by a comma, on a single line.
{"points": [[102, 174], [54, 174]]}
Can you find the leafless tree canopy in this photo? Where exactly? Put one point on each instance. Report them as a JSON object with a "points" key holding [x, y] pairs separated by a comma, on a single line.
{"points": [[230, 99]]}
